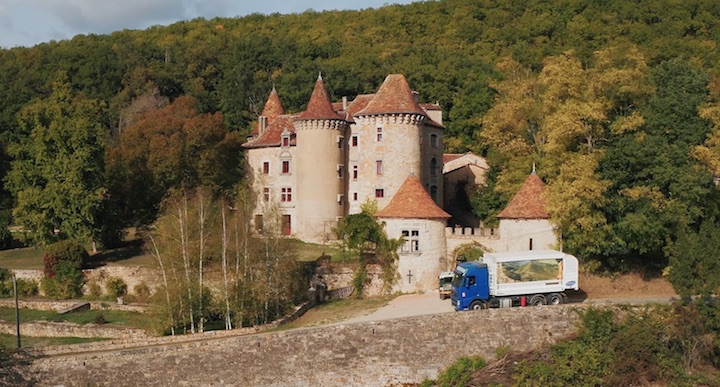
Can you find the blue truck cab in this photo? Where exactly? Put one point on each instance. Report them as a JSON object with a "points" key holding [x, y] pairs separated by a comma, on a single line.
{"points": [[470, 288]]}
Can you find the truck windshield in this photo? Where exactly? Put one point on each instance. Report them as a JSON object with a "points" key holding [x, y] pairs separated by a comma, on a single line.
{"points": [[457, 279]]}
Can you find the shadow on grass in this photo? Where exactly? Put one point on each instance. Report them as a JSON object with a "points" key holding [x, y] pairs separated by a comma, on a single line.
{"points": [[126, 250]]}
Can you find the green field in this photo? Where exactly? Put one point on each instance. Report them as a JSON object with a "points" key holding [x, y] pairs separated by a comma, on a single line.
{"points": [[114, 317]]}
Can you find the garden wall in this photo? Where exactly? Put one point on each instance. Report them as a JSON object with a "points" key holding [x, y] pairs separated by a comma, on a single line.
{"points": [[382, 353]]}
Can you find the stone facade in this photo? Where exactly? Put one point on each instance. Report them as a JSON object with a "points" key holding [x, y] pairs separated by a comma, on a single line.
{"points": [[381, 353], [333, 157], [526, 234], [419, 265]]}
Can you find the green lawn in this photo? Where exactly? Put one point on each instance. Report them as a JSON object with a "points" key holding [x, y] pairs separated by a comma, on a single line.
{"points": [[115, 317], [27, 258], [10, 341]]}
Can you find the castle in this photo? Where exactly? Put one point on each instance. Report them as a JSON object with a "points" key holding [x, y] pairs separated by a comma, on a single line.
{"points": [[312, 168]]}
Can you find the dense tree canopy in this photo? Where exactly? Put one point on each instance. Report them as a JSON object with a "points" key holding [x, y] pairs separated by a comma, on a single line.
{"points": [[616, 103]]}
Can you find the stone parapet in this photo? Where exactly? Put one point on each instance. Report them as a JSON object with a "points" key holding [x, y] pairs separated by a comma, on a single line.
{"points": [[381, 353]]}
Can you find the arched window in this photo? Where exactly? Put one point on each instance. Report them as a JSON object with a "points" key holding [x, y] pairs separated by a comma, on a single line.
{"points": [[433, 167]]}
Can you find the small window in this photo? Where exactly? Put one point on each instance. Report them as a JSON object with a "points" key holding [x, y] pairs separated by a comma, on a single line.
{"points": [[341, 199], [434, 140], [286, 194], [433, 167], [355, 172], [266, 194], [355, 196], [340, 171], [379, 193], [286, 141], [286, 167], [433, 192], [258, 223], [411, 241], [379, 167], [266, 167], [354, 140], [379, 133], [341, 142]]}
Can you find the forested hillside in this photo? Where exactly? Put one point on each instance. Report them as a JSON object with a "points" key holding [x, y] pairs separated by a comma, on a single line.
{"points": [[616, 102]]}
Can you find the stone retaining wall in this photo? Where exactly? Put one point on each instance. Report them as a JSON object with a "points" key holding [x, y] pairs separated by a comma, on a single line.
{"points": [[392, 352], [44, 304], [62, 329]]}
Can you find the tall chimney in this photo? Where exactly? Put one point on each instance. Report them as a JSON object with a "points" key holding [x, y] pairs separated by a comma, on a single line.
{"points": [[344, 103]]}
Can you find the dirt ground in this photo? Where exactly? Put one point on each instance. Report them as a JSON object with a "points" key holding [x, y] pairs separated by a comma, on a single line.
{"points": [[624, 286]]}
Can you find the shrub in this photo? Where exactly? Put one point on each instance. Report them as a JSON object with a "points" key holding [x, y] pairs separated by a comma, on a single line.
{"points": [[459, 373], [94, 290], [116, 287], [27, 288], [66, 283], [142, 292], [100, 319], [70, 252]]}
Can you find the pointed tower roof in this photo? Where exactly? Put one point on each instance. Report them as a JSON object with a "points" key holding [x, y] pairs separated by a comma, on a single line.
{"points": [[319, 107], [412, 202], [273, 106], [394, 96], [527, 202]]}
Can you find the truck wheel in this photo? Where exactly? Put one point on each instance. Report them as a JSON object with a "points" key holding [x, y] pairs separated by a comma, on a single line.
{"points": [[555, 299], [476, 305], [538, 300]]}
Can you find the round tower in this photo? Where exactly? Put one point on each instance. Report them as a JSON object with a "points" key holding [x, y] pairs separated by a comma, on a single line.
{"points": [[391, 131], [321, 180]]}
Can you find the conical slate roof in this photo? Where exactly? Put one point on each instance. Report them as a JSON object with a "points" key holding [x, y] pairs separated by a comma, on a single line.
{"points": [[273, 106], [527, 202], [394, 96], [319, 107], [412, 202]]}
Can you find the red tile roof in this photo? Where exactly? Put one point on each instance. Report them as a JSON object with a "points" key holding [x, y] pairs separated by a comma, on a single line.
{"points": [[272, 136], [319, 107], [394, 96], [527, 202], [448, 157], [273, 106], [412, 202]]}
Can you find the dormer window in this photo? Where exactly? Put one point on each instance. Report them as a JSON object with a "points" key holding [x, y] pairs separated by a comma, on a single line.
{"points": [[285, 138]]}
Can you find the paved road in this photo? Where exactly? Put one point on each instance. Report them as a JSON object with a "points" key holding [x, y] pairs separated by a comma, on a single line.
{"points": [[409, 305]]}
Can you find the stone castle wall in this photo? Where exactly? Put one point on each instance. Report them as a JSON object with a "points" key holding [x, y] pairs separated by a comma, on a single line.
{"points": [[381, 353]]}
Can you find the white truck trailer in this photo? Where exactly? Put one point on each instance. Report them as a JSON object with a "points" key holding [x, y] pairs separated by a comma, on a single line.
{"points": [[520, 278]]}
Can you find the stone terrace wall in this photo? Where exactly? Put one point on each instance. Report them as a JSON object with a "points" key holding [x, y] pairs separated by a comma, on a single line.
{"points": [[58, 329], [340, 275], [382, 353]]}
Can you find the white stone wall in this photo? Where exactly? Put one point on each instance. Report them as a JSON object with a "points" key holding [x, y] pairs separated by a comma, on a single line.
{"points": [[319, 185], [399, 150], [515, 235], [426, 264], [275, 180]]}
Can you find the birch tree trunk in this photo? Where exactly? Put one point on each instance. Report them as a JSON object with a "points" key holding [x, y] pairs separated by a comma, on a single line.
{"points": [[165, 282]]}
